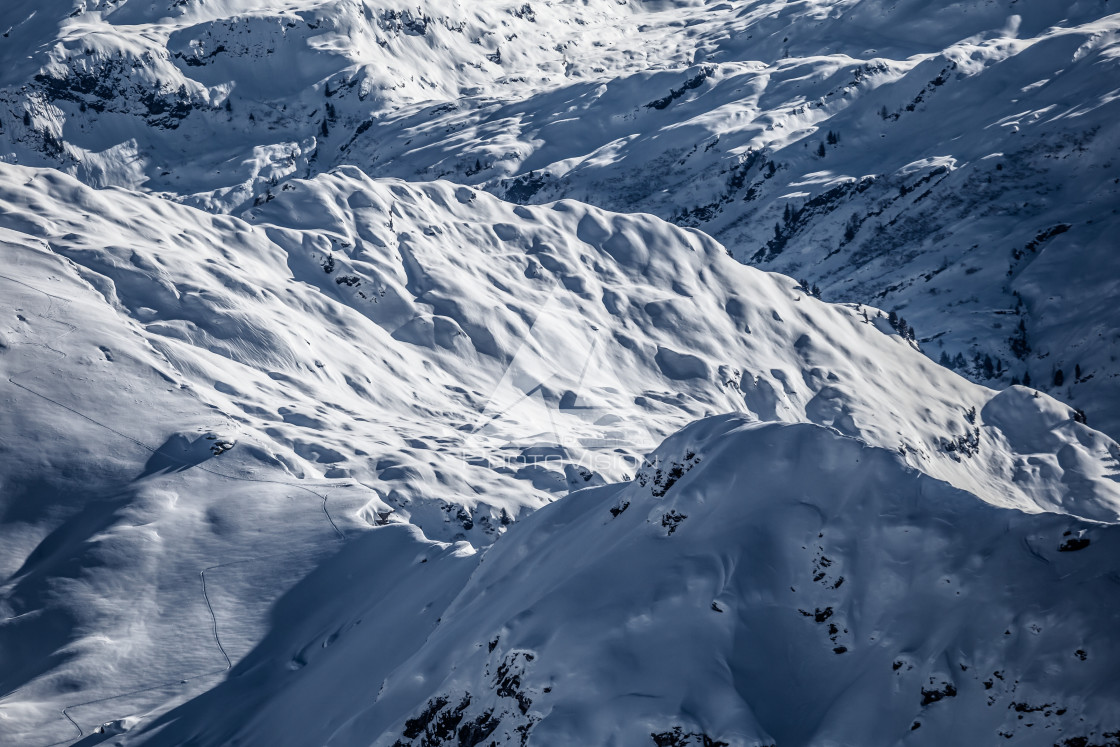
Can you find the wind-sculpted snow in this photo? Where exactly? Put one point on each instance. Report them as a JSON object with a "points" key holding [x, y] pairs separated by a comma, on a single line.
{"points": [[201, 409], [756, 584], [953, 162]]}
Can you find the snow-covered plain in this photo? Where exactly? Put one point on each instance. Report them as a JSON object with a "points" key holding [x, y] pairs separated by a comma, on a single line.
{"points": [[301, 445]]}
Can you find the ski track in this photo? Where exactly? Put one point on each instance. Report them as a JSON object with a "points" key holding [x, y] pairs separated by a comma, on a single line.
{"points": [[181, 680]]}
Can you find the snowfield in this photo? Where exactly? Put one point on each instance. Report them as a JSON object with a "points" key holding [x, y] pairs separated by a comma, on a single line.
{"points": [[201, 409], [951, 161], [790, 586], [397, 374]]}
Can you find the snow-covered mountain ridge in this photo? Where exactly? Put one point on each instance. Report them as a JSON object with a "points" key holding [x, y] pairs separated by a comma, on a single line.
{"points": [[196, 400], [394, 373], [791, 587], [954, 162], [477, 308]]}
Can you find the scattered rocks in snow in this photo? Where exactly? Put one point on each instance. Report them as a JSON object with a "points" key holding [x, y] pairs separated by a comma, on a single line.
{"points": [[934, 694], [672, 520], [220, 445], [663, 478], [1073, 544], [678, 737]]}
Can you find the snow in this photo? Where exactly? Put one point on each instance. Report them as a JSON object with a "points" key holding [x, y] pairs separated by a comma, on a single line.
{"points": [[395, 373], [814, 591], [218, 103], [195, 399]]}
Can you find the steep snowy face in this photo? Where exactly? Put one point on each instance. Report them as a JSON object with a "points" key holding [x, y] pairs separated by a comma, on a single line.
{"points": [[756, 584], [199, 408]]}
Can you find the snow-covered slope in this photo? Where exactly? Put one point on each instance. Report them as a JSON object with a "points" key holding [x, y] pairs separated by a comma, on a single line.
{"points": [[300, 444], [790, 586], [199, 407], [345, 300], [954, 162]]}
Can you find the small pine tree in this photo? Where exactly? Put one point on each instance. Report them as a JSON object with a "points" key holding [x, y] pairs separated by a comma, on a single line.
{"points": [[851, 227], [324, 130], [1059, 377], [1018, 341], [229, 105], [821, 151], [27, 119], [833, 138], [1077, 372], [1027, 379]]}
